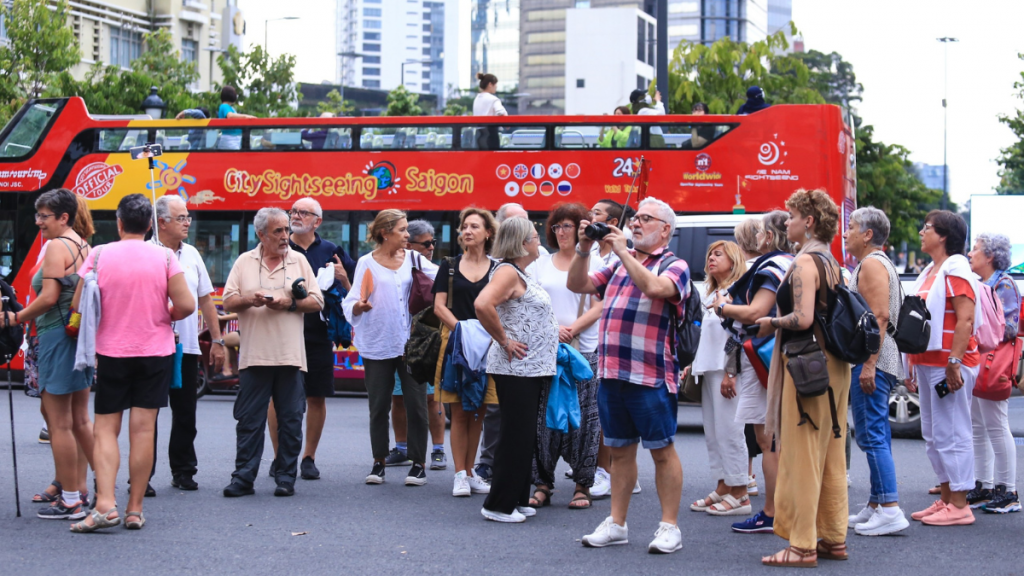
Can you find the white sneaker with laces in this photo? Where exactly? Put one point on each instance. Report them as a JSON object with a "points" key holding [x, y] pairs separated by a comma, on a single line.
{"points": [[478, 486], [666, 540], [636, 489], [608, 533], [514, 518], [461, 487], [602, 484], [862, 516], [527, 511], [884, 521]]}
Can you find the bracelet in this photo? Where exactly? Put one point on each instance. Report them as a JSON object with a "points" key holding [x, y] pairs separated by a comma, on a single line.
{"points": [[580, 253], [720, 310], [772, 322]]}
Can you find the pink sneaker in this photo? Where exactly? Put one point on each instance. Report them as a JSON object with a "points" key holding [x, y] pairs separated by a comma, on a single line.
{"points": [[935, 507], [950, 516]]}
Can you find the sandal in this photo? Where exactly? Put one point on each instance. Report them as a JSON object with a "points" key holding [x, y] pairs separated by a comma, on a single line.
{"points": [[792, 557], [132, 525], [537, 502], [578, 498], [45, 497], [730, 506], [704, 503], [98, 521], [828, 551], [936, 490]]}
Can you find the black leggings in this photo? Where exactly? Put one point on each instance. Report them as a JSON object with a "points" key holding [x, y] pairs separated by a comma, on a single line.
{"points": [[518, 399]]}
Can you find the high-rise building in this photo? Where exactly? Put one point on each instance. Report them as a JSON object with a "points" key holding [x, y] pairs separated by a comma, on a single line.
{"points": [[382, 44], [494, 43], [110, 31], [704, 21], [931, 175], [780, 12]]}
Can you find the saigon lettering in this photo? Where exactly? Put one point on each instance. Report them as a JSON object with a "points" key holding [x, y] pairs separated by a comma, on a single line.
{"points": [[438, 182], [288, 185]]}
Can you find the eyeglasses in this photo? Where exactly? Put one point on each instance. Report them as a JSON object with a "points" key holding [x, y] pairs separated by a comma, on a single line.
{"points": [[925, 228], [303, 214], [183, 219], [427, 244], [562, 228], [40, 217], [645, 219]]}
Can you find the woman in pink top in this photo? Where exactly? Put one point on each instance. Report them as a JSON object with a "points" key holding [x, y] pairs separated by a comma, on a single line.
{"points": [[134, 354]]}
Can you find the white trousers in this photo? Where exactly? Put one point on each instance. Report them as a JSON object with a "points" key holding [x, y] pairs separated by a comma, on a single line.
{"points": [[752, 397], [946, 426], [727, 446], [995, 455]]}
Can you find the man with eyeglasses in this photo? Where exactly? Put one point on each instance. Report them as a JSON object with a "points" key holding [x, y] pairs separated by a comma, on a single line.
{"points": [[306, 216], [636, 363], [263, 288], [173, 223]]}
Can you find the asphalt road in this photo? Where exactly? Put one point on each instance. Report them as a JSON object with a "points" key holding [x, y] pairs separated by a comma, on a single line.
{"points": [[351, 528]]}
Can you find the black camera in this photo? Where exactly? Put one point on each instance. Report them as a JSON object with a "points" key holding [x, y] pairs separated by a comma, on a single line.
{"points": [[299, 290], [596, 230]]}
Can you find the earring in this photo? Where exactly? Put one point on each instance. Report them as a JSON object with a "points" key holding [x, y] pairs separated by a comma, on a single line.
{"points": [[807, 234]]}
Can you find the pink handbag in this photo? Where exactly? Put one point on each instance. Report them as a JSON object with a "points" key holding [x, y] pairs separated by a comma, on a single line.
{"points": [[990, 335], [997, 373]]}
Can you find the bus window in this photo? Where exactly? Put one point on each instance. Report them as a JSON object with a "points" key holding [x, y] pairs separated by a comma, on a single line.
{"points": [[406, 138], [503, 137], [7, 244], [120, 139], [186, 138], [614, 136], [686, 136], [23, 136], [218, 242], [323, 138], [337, 229]]}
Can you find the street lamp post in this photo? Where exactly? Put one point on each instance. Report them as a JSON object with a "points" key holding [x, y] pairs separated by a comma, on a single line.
{"points": [[153, 105], [344, 55], [945, 75], [412, 62], [266, 23]]}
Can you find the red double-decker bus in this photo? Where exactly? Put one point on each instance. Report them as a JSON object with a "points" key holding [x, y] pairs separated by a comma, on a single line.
{"points": [[431, 167]]}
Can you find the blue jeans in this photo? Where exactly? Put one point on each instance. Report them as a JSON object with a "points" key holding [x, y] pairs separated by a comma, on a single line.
{"points": [[871, 420]]}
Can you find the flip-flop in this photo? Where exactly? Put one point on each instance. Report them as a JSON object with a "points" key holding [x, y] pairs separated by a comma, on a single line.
{"points": [[133, 525], [99, 521], [45, 497]]}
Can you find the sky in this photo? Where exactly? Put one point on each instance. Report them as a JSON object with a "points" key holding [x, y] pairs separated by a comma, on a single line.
{"points": [[891, 44]]}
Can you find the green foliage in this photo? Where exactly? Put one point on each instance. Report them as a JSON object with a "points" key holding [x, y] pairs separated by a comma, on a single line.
{"points": [[833, 78], [265, 85], [401, 102], [886, 180], [335, 105], [454, 108], [1011, 158], [41, 44], [720, 74]]}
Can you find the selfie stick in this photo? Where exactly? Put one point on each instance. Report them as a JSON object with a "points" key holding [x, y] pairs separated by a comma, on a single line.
{"points": [[10, 401], [152, 189], [632, 185]]}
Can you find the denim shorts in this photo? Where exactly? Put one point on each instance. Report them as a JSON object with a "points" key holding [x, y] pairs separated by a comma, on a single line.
{"points": [[631, 413], [398, 388]]}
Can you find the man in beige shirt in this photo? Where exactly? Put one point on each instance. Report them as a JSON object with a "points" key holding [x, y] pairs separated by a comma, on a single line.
{"points": [[263, 288]]}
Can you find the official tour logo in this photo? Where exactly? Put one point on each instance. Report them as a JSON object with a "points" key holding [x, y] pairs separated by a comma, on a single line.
{"points": [[96, 180]]}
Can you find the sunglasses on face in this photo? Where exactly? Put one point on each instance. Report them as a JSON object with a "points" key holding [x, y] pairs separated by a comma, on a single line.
{"points": [[427, 244]]}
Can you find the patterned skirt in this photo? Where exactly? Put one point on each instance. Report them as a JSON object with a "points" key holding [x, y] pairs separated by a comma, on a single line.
{"points": [[578, 447]]}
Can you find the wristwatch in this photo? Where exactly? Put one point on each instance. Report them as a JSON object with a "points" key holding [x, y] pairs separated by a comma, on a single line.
{"points": [[953, 360], [294, 305], [221, 342], [581, 253]]}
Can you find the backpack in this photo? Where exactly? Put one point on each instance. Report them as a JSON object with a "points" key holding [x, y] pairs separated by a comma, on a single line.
{"points": [[11, 335], [850, 327], [423, 347], [339, 331], [990, 334], [685, 319], [912, 329]]}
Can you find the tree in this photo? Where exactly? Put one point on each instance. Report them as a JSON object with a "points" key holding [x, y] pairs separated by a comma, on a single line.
{"points": [[1011, 158], [720, 74], [454, 108], [833, 78], [41, 44], [401, 102], [266, 86], [335, 105]]}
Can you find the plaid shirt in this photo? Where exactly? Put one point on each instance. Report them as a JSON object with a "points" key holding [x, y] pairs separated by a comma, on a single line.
{"points": [[635, 340]]}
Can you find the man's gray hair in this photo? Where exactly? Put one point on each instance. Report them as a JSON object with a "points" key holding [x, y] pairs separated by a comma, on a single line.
{"points": [[420, 227], [502, 214], [264, 215], [871, 218], [316, 206], [997, 247], [661, 210], [163, 206]]}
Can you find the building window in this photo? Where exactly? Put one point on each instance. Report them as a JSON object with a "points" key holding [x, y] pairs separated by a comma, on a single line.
{"points": [[426, 15], [125, 46], [371, 1], [371, 83], [426, 74], [426, 51], [641, 39], [426, 39], [538, 37], [546, 82], [371, 35], [426, 27], [540, 59], [581, 83], [371, 59], [687, 30], [3, 27], [650, 43], [371, 12], [534, 15], [641, 82], [189, 50], [583, 3], [371, 47], [371, 24], [371, 71]]}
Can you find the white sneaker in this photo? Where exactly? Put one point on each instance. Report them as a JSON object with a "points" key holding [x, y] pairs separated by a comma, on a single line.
{"points": [[515, 517], [666, 540], [862, 516], [568, 473], [752, 486], [849, 481], [461, 487], [636, 489], [478, 486], [608, 533], [526, 511], [884, 521], [602, 484]]}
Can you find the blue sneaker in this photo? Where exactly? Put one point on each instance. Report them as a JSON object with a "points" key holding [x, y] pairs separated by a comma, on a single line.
{"points": [[483, 471], [759, 523]]}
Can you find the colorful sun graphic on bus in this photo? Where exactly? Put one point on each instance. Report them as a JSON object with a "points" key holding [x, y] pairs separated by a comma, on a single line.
{"points": [[386, 175], [172, 179]]}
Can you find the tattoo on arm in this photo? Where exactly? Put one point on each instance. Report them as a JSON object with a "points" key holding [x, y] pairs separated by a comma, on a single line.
{"points": [[791, 321]]}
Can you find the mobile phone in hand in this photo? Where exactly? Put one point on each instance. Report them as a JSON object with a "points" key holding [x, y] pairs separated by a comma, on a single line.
{"points": [[268, 297], [942, 389]]}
